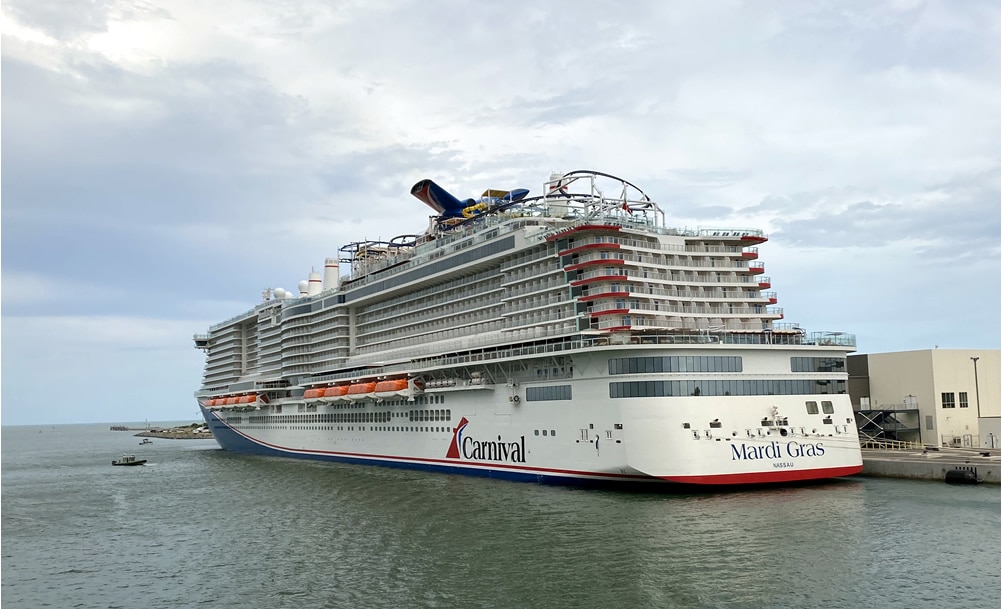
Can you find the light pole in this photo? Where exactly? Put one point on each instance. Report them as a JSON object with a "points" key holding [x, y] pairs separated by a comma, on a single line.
{"points": [[977, 392]]}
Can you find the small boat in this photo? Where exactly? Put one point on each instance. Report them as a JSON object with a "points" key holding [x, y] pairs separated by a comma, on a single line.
{"points": [[146, 441], [128, 460]]}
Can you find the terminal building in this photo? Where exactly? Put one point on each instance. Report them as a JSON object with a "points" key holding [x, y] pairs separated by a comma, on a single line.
{"points": [[938, 397]]}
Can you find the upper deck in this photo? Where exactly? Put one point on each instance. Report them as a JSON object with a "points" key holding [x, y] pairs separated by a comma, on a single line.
{"points": [[590, 259]]}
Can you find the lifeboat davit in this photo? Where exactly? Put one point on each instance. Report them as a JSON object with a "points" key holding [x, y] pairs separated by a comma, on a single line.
{"points": [[361, 391], [391, 388]]}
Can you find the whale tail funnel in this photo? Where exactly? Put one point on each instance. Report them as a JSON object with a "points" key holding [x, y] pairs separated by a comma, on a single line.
{"points": [[437, 198]]}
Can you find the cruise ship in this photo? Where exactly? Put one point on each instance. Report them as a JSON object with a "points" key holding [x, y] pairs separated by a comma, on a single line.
{"points": [[570, 337]]}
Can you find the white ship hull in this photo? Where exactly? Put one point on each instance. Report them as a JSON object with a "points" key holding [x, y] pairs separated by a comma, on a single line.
{"points": [[491, 430]]}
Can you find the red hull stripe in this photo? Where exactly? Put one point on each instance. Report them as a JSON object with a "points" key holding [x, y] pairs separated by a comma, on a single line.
{"points": [[786, 475]]}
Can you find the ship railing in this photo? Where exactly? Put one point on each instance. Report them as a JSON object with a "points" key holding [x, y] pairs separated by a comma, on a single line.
{"points": [[524, 259], [643, 245], [731, 232], [476, 278], [733, 333], [536, 304], [429, 323], [376, 314], [540, 343], [553, 283], [868, 443]]}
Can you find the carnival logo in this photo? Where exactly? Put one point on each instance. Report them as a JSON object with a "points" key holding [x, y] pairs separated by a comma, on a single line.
{"points": [[471, 449], [457, 437]]}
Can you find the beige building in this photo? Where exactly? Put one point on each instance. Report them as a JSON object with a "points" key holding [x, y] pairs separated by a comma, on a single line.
{"points": [[939, 397]]}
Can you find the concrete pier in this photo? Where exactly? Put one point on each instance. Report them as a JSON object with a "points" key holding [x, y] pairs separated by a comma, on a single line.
{"points": [[932, 464]]}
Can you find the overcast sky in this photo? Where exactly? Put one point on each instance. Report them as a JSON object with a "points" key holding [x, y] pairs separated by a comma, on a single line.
{"points": [[165, 161]]}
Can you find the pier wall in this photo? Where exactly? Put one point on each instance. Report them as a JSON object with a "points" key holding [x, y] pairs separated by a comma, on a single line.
{"points": [[931, 465]]}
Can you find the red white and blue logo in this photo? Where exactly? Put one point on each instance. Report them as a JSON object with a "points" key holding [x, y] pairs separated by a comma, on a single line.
{"points": [[457, 438]]}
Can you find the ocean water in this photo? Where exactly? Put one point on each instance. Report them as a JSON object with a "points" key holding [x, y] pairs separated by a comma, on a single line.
{"points": [[200, 527]]}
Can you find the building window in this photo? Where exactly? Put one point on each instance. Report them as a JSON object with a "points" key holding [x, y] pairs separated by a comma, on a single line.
{"points": [[948, 401], [963, 399], [812, 408]]}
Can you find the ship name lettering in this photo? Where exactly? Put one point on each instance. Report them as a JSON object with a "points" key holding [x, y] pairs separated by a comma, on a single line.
{"points": [[774, 450], [490, 450]]}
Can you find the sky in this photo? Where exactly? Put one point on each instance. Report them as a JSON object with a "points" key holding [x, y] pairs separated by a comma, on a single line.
{"points": [[164, 162]]}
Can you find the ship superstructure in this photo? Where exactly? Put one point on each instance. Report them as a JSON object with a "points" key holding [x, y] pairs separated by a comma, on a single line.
{"points": [[567, 337]]}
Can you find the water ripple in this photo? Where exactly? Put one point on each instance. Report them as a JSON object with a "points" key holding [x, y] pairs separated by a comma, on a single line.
{"points": [[208, 528]]}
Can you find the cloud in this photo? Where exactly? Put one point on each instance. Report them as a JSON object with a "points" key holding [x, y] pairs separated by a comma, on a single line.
{"points": [[169, 161]]}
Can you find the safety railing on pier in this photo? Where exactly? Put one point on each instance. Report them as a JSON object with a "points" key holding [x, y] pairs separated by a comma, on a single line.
{"points": [[871, 444]]}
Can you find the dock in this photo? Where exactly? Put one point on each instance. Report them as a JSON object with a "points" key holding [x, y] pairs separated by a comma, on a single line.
{"points": [[931, 463]]}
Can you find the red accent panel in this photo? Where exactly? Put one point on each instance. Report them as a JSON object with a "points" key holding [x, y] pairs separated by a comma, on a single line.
{"points": [[610, 312], [590, 246], [756, 270], [586, 227], [600, 278], [616, 328], [749, 255], [773, 300], [754, 239], [786, 475], [593, 263], [603, 295], [764, 284]]}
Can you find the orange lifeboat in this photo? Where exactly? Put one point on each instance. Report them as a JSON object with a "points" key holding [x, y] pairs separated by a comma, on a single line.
{"points": [[361, 391], [334, 393], [314, 394], [232, 400], [248, 399], [391, 388]]}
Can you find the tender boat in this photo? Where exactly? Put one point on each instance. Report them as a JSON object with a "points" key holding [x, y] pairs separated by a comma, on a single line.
{"points": [[128, 460]]}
